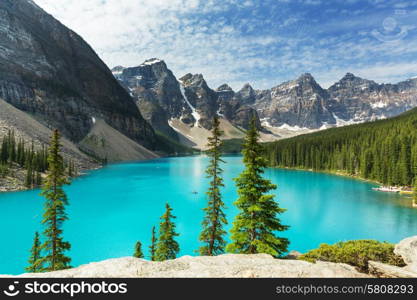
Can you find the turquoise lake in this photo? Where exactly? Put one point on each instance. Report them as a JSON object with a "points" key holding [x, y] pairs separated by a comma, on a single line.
{"points": [[112, 208]]}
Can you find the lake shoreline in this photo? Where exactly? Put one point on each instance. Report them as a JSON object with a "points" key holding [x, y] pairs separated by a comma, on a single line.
{"points": [[11, 184], [402, 190], [16, 183]]}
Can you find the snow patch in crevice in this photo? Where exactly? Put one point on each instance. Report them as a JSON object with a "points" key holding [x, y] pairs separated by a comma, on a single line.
{"points": [[340, 122], [151, 62], [195, 114], [379, 104], [325, 126], [265, 122], [292, 128], [93, 120]]}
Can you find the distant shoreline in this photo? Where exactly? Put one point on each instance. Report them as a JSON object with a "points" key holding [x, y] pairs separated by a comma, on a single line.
{"points": [[405, 189]]}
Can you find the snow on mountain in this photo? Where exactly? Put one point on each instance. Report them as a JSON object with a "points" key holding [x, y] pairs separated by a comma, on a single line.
{"points": [[195, 114], [151, 61], [292, 128], [379, 104]]}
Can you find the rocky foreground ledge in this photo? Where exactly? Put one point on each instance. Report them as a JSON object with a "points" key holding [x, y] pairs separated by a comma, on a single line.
{"points": [[224, 266], [237, 266]]}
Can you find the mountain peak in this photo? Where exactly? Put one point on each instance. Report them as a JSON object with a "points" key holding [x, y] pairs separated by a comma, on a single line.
{"points": [[306, 79], [247, 94], [247, 87], [118, 69], [349, 76], [152, 61], [224, 88], [193, 79], [306, 76], [350, 79]]}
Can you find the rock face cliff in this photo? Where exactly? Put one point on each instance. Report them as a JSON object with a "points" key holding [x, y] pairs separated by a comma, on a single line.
{"points": [[234, 106], [156, 92], [303, 103], [359, 100], [51, 73], [293, 107], [182, 109]]}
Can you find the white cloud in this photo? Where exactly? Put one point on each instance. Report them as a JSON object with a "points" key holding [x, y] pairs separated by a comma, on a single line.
{"points": [[204, 36]]}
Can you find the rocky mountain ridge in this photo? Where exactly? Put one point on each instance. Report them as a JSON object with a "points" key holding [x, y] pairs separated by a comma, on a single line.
{"points": [[359, 100], [183, 108], [290, 108], [303, 103]]}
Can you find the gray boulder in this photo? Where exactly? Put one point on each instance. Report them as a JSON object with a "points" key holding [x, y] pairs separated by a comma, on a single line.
{"points": [[407, 249], [224, 266]]}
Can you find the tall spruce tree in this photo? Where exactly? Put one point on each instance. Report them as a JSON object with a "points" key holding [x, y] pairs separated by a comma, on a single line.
{"points": [[54, 215], [167, 247], [212, 235], [35, 259], [29, 176], [152, 247], [415, 191], [138, 250], [4, 154], [12, 146], [255, 226]]}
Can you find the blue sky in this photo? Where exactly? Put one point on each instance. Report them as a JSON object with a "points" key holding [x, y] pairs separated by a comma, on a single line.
{"points": [[261, 42]]}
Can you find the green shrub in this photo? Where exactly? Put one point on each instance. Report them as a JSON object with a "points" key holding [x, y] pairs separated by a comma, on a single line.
{"points": [[355, 253]]}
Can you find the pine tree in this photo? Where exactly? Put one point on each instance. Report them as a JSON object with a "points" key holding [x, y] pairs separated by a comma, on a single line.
{"points": [[167, 247], [212, 235], [4, 170], [70, 169], [54, 215], [38, 179], [255, 226], [138, 250], [35, 259], [21, 153], [29, 176], [152, 247], [4, 154], [415, 191], [12, 146]]}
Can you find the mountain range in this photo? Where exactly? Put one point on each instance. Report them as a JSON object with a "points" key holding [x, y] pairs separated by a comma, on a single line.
{"points": [[51, 78], [183, 108], [172, 105]]}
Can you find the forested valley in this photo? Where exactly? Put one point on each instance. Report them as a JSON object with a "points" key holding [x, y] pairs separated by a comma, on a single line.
{"points": [[383, 151]]}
